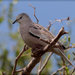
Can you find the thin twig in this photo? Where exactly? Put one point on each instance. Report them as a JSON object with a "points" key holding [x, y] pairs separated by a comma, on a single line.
{"points": [[63, 65], [40, 64], [58, 70], [46, 61], [60, 20], [17, 58], [34, 13], [49, 25], [63, 56], [57, 20], [73, 71]]}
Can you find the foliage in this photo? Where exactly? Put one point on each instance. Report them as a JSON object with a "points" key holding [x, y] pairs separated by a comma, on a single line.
{"points": [[1, 19]]}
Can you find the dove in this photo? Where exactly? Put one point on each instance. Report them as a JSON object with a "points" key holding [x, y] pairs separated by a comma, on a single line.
{"points": [[32, 33]]}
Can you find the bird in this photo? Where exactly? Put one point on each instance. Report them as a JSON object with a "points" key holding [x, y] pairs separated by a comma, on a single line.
{"points": [[32, 33]]}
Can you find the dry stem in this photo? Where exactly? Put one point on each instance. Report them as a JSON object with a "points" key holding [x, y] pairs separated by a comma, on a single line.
{"points": [[58, 70], [17, 58], [46, 61], [34, 13]]}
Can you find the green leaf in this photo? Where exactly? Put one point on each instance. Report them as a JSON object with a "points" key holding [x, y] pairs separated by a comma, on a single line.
{"points": [[69, 38], [67, 70], [1, 19], [69, 56]]}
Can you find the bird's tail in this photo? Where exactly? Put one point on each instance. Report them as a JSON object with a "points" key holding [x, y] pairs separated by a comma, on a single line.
{"points": [[64, 57], [60, 51]]}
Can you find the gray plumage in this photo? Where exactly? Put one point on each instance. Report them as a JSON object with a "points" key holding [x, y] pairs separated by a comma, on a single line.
{"points": [[31, 33]]}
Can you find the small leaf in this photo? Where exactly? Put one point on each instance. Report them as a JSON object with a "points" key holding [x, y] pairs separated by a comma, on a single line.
{"points": [[67, 70], [1, 19], [69, 56], [69, 38]]}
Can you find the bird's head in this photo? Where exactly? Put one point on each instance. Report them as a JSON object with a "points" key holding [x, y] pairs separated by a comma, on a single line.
{"points": [[23, 17]]}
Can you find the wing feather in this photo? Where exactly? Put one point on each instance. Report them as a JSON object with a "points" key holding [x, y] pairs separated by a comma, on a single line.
{"points": [[39, 31]]}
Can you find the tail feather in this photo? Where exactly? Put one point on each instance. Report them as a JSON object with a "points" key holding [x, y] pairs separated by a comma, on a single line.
{"points": [[64, 57], [60, 52]]}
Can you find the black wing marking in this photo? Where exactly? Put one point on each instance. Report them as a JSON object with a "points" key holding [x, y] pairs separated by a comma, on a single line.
{"points": [[34, 35]]}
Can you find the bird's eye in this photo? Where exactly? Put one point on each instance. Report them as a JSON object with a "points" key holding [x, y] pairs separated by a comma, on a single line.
{"points": [[21, 17]]}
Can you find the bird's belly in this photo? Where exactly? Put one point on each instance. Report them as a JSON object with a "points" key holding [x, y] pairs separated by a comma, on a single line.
{"points": [[35, 42], [32, 41]]}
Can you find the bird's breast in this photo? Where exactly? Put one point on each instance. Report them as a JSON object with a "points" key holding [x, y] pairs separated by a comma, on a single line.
{"points": [[29, 39]]}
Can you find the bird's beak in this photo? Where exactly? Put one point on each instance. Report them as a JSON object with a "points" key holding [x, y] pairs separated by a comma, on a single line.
{"points": [[14, 21]]}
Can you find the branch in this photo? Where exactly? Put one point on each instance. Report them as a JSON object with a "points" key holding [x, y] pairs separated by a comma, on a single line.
{"points": [[57, 20], [73, 71], [49, 25], [63, 67], [54, 41], [36, 60], [34, 13], [46, 61], [17, 58], [60, 20], [30, 66], [60, 69], [73, 46]]}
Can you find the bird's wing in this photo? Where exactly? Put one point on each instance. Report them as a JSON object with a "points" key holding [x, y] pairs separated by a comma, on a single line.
{"points": [[38, 31]]}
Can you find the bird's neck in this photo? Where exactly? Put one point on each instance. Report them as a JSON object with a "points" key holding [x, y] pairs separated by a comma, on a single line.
{"points": [[25, 25]]}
